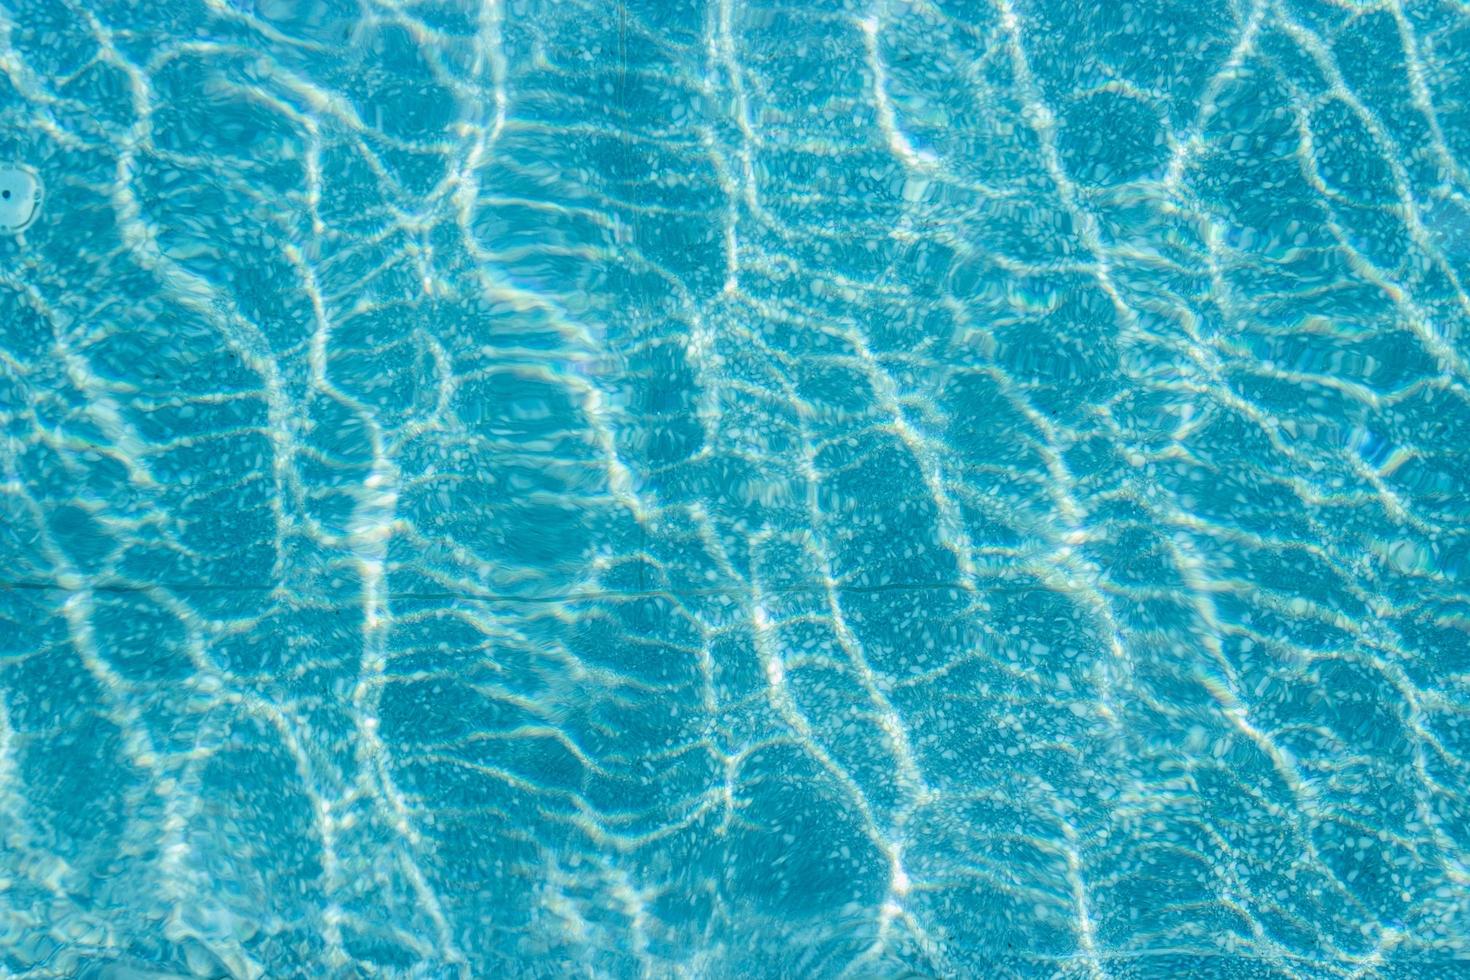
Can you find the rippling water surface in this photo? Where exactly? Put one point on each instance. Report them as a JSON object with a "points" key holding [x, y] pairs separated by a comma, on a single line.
{"points": [[733, 489]]}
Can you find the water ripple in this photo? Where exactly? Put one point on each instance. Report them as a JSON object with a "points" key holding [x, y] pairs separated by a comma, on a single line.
{"points": [[736, 489]]}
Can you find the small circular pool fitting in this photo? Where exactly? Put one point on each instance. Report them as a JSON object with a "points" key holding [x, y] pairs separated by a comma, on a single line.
{"points": [[20, 197]]}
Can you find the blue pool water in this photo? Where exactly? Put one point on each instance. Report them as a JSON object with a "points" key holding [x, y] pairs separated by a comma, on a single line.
{"points": [[661, 488]]}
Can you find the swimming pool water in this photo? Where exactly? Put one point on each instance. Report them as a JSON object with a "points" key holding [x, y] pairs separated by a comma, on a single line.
{"points": [[736, 489]]}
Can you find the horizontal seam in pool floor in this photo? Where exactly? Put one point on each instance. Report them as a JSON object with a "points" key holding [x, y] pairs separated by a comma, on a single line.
{"points": [[803, 589]]}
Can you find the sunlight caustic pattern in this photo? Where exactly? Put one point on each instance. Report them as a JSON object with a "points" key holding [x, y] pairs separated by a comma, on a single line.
{"points": [[549, 488]]}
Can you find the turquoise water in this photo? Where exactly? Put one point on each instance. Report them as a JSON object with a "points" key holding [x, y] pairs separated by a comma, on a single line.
{"points": [[736, 489]]}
